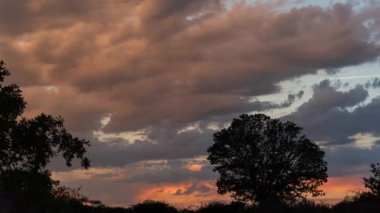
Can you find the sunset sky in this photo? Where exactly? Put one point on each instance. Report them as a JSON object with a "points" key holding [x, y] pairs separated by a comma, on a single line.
{"points": [[149, 81]]}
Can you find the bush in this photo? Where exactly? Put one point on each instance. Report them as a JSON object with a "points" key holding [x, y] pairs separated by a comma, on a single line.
{"points": [[150, 206], [359, 202], [217, 207]]}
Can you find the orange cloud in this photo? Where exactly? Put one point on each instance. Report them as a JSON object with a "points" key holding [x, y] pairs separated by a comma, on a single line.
{"points": [[335, 190], [194, 167], [171, 193]]}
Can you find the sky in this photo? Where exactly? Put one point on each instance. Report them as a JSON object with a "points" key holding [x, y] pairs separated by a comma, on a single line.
{"points": [[148, 82]]}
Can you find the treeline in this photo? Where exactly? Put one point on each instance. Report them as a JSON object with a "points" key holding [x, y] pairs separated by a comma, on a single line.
{"points": [[361, 202]]}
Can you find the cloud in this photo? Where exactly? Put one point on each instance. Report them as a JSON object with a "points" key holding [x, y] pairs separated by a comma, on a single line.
{"points": [[205, 192], [373, 84], [172, 171], [291, 99], [202, 189], [345, 128], [326, 117], [350, 160], [364, 140], [159, 179], [178, 61]]}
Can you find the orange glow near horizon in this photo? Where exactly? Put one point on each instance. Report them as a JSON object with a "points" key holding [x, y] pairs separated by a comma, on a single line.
{"points": [[336, 189], [170, 193], [192, 194]]}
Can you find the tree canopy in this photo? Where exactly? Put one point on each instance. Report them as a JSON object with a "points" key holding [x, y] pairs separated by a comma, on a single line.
{"points": [[29, 144], [261, 159], [373, 182], [26, 147]]}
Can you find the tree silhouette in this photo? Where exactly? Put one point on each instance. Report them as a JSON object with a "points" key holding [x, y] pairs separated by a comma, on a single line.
{"points": [[27, 146], [373, 182], [262, 159]]}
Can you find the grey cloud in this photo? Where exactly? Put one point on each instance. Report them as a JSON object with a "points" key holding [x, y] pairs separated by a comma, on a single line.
{"points": [[164, 142], [194, 188], [169, 146], [332, 71], [347, 161], [373, 84], [174, 173], [292, 98], [326, 98], [325, 117]]}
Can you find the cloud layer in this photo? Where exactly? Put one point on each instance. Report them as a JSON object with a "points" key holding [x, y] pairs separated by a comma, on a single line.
{"points": [[148, 62]]}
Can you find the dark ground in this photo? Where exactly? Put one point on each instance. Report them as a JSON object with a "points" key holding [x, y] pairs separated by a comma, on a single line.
{"points": [[361, 202]]}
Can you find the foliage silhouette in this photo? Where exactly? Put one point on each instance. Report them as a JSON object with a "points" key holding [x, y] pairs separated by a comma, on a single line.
{"points": [[215, 207], [150, 206], [25, 191], [373, 182], [359, 202], [265, 160], [26, 147], [29, 144]]}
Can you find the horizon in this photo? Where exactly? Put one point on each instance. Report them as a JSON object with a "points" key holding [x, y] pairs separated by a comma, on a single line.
{"points": [[149, 82]]}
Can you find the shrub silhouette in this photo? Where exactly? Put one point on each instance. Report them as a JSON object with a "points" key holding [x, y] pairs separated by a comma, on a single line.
{"points": [[265, 160], [217, 207], [150, 206], [359, 202], [25, 191], [309, 207]]}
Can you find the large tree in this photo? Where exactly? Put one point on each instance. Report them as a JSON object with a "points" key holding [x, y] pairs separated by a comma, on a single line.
{"points": [[28, 144], [262, 159]]}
